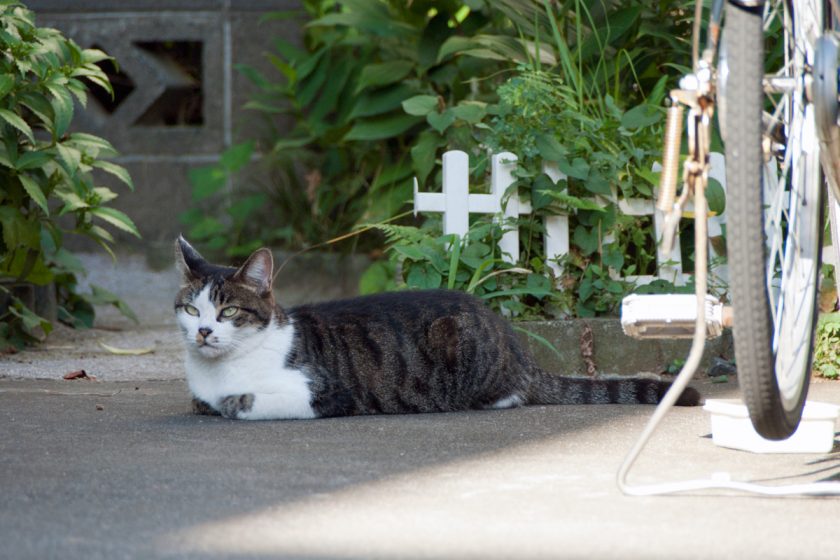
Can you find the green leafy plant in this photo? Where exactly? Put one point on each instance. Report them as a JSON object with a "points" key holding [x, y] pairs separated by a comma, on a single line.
{"points": [[419, 258], [380, 89], [227, 231], [585, 95], [827, 347], [344, 151], [47, 174]]}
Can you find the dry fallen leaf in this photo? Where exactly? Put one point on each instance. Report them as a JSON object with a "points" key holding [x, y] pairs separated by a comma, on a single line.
{"points": [[127, 351], [79, 374]]}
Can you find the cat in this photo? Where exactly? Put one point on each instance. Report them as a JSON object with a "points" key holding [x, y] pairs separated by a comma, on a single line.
{"points": [[392, 353]]}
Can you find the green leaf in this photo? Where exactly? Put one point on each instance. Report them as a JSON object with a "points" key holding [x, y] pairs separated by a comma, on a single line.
{"points": [[6, 84], [379, 277], [244, 207], [380, 101], [453, 261], [67, 261], [116, 218], [578, 169], [586, 239], [651, 177], [424, 278], [78, 315], [613, 257], [92, 56], [62, 105], [4, 157], [570, 201], [550, 148], [641, 116], [17, 230], [455, 45], [27, 265], [538, 293], [40, 106], [409, 251], [420, 105], [716, 197], [423, 154], [384, 73], [100, 145], [237, 156], [470, 111], [381, 128], [34, 190], [206, 181], [391, 174], [71, 157], [72, 201], [101, 296], [541, 191], [374, 18], [597, 184], [118, 171], [16, 121], [32, 159], [540, 340], [29, 320], [441, 121], [205, 228]]}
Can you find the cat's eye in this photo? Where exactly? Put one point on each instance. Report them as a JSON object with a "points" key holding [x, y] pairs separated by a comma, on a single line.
{"points": [[228, 312], [191, 310]]}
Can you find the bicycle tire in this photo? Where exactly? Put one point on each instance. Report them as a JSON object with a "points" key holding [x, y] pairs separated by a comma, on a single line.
{"points": [[774, 318]]}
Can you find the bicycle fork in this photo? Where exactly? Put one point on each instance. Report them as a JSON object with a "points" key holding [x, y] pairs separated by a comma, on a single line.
{"points": [[677, 316], [677, 319]]}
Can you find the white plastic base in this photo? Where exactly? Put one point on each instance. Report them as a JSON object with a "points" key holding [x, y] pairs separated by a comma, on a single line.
{"points": [[731, 427]]}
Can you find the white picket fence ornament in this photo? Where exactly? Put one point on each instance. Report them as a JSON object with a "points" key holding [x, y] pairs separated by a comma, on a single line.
{"points": [[456, 204]]}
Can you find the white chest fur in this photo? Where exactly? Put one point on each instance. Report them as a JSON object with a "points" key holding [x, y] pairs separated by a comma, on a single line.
{"points": [[256, 367]]}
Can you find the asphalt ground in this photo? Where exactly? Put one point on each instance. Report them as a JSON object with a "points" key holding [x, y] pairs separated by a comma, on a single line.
{"points": [[123, 470], [119, 468]]}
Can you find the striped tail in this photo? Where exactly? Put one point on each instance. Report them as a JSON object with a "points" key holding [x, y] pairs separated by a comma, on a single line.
{"points": [[554, 389]]}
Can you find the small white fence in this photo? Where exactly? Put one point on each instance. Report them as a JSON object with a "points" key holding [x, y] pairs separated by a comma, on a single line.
{"points": [[456, 203]]}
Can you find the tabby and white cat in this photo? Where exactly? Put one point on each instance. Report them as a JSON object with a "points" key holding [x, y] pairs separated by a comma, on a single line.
{"points": [[404, 352]]}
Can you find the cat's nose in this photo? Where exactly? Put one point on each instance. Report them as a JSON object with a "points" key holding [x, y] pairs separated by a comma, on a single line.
{"points": [[205, 332]]}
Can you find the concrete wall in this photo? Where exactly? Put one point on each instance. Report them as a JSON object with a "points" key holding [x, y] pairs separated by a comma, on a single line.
{"points": [[179, 99]]}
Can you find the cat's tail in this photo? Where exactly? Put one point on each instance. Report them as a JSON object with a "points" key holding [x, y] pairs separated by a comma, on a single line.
{"points": [[554, 389]]}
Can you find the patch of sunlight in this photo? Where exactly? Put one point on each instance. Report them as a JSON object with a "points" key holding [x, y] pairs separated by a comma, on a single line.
{"points": [[501, 505]]}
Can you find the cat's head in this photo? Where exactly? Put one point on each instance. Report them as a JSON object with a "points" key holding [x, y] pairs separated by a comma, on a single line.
{"points": [[219, 307]]}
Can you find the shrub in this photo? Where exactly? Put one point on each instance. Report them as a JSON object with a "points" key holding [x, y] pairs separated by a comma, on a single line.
{"points": [[352, 151], [827, 347], [382, 88], [47, 174]]}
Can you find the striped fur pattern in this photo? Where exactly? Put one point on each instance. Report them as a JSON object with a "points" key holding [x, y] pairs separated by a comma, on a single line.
{"points": [[391, 353]]}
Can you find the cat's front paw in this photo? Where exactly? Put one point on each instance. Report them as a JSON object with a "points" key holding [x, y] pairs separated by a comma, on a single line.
{"points": [[236, 406], [201, 407]]}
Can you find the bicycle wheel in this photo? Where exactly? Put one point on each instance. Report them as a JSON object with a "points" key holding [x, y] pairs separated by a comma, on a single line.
{"points": [[774, 207]]}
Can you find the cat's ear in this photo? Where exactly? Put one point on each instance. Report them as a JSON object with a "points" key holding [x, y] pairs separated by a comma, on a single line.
{"points": [[187, 259], [257, 272]]}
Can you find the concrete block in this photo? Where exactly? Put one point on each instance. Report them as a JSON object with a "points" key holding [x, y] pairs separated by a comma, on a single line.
{"points": [[614, 352], [152, 76]]}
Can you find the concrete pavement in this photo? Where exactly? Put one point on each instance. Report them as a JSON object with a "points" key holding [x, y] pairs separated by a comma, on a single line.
{"points": [[118, 468], [121, 470]]}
